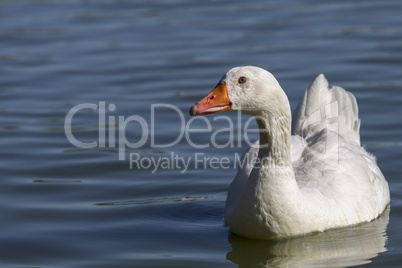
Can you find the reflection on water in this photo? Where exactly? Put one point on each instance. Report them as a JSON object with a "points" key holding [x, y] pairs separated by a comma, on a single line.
{"points": [[150, 201], [335, 248]]}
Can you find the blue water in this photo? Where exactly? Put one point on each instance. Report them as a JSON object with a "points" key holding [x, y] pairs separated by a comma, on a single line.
{"points": [[65, 206]]}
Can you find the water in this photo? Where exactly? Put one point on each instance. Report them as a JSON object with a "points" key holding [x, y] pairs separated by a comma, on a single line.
{"points": [[64, 206]]}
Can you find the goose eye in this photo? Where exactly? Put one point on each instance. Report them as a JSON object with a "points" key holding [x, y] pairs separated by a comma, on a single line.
{"points": [[242, 80]]}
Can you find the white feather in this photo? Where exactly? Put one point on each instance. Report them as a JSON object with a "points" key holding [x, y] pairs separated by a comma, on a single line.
{"points": [[318, 178]]}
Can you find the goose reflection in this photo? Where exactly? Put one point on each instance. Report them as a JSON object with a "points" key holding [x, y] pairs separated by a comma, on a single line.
{"points": [[351, 246]]}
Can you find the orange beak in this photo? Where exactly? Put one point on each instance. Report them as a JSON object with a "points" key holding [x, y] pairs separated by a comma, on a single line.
{"points": [[216, 101]]}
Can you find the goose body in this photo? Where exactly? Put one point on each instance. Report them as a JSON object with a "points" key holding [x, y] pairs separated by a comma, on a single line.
{"points": [[299, 178]]}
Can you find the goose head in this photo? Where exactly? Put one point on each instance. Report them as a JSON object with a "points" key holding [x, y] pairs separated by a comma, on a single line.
{"points": [[249, 89]]}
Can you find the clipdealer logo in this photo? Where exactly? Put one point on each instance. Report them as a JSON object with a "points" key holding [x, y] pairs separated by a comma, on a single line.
{"points": [[107, 137]]}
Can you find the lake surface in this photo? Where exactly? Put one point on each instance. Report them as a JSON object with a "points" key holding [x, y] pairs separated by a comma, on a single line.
{"points": [[125, 74]]}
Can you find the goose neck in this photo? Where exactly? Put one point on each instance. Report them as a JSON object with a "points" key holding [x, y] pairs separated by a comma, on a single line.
{"points": [[275, 138]]}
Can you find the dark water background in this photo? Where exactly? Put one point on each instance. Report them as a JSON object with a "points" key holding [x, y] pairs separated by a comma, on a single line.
{"points": [[64, 206]]}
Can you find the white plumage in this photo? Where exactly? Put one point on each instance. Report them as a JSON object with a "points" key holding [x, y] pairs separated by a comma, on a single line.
{"points": [[315, 179]]}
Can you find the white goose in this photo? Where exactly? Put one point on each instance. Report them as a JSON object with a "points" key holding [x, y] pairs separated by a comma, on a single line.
{"points": [[316, 179]]}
